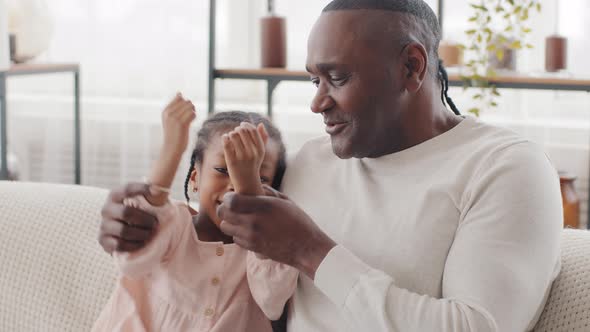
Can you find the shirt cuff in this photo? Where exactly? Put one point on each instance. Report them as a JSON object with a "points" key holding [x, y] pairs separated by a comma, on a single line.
{"points": [[338, 273]]}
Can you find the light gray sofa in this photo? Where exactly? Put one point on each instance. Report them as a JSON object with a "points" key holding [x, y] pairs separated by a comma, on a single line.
{"points": [[55, 276]]}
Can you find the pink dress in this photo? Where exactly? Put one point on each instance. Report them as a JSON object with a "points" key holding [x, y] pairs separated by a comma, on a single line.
{"points": [[179, 283]]}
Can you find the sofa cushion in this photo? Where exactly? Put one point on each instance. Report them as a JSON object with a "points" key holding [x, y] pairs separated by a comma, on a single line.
{"points": [[55, 276], [568, 305]]}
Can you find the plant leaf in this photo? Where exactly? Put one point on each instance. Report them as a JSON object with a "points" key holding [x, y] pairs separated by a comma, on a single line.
{"points": [[474, 111], [517, 45]]}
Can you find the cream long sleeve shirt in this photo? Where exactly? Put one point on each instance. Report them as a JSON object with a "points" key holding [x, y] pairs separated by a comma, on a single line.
{"points": [[459, 233]]}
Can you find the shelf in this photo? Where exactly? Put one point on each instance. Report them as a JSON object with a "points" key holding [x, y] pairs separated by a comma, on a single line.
{"points": [[263, 74], [27, 69], [507, 81], [521, 81]]}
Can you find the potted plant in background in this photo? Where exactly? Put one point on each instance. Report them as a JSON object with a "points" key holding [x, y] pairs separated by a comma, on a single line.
{"points": [[497, 30]]}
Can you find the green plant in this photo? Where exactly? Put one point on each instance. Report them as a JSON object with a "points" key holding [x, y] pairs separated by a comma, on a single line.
{"points": [[496, 26]]}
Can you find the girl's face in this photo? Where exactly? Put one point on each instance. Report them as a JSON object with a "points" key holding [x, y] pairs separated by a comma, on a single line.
{"points": [[212, 180]]}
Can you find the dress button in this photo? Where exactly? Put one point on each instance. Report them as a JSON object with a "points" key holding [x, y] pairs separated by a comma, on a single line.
{"points": [[209, 312], [219, 251], [215, 281]]}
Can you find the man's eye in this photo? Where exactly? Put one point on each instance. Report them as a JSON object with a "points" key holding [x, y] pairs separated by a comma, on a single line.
{"points": [[264, 180], [221, 170], [315, 82], [339, 80]]}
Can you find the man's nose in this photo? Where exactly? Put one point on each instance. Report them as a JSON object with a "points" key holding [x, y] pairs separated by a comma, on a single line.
{"points": [[230, 186], [321, 102]]}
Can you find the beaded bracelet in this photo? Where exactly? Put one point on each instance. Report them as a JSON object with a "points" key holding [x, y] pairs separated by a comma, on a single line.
{"points": [[155, 187]]}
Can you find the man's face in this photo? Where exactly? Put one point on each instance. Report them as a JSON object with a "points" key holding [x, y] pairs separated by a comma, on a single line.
{"points": [[357, 73]]}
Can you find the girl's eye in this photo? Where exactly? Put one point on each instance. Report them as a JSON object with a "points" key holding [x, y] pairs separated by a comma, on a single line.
{"points": [[221, 170], [264, 180]]}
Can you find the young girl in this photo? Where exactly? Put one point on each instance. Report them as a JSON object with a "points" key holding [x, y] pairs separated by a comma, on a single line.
{"points": [[191, 276]]}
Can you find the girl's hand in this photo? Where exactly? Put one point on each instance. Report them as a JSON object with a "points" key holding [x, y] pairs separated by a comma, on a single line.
{"points": [[176, 120], [244, 149]]}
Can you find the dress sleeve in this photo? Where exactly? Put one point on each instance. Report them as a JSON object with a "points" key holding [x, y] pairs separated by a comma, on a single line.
{"points": [[168, 230], [271, 284]]}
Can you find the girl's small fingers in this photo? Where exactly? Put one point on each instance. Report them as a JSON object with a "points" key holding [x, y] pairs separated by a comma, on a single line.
{"points": [[236, 141], [263, 133], [188, 113], [174, 100], [249, 146], [228, 148], [257, 139]]}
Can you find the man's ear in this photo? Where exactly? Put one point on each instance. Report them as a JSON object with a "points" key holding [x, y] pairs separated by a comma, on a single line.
{"points": [[194, 180], [415, 61]]}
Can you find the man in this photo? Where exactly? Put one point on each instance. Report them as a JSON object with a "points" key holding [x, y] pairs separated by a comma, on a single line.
{"points": [[408, 217]]}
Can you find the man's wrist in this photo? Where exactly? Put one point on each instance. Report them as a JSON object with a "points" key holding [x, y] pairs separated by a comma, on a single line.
{"points": [[311, 258]]}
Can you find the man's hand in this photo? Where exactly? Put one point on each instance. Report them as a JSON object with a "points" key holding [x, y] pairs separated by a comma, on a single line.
{"points": [[125, 228], [276, 228], [244, 149]]}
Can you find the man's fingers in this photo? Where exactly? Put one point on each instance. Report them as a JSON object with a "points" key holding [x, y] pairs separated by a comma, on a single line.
{"points": [[125, 232], [270, 191], [132, 216], [130, 190], [129, 246], [231, 229], [111, 244], [244, 203], [108, 243], [243, 243]]}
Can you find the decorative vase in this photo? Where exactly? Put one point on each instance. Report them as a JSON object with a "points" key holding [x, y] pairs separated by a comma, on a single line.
{"points": [[570, 199], [555, 47], [273, 38], [555, 53], [31, 23]]}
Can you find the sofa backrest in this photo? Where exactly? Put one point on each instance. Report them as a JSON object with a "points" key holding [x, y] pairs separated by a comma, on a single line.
{"points": [[55, 276]]}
